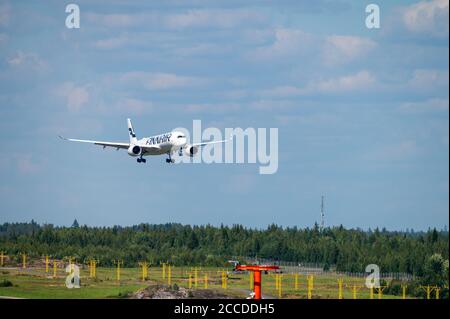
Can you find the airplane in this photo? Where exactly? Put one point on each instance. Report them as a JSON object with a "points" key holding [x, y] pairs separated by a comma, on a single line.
{"points": [[166, 143]]}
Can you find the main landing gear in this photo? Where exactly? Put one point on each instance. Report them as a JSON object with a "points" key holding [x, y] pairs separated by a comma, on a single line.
{"points": [[141, 160], [169, 160]]}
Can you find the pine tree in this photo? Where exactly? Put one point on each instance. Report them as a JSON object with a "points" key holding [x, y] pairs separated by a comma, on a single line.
{"points": [[75, 224]]}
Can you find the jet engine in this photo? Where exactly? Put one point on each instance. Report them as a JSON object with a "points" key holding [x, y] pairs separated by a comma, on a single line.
{"points": [[190, 150], [134, 150]]}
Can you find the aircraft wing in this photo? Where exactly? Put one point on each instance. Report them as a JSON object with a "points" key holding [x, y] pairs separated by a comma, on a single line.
{"points": [[101, 143], [213, 142]]}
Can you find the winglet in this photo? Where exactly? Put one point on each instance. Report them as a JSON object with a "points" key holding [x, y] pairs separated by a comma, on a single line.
{"points": [[62, 137]]}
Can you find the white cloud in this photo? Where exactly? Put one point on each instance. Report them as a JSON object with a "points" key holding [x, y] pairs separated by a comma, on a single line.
{"points": [[203, 49], [160, 81], [428, 17], [257, 36], [354, 82], [271, 104], [120, 20], [297, 44], [339, 49], [213, 108], [287, 43], [76, 96], [26, 165], [430, 105], [362, 80], [316, 119], [112, 43], [220, 18], [5, 14], [134, 106], [429, 79], [27, 60], [284, 91], [196, 18]]}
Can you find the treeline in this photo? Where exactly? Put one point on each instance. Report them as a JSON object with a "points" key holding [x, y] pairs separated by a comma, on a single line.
{"points": [[346, 249]]}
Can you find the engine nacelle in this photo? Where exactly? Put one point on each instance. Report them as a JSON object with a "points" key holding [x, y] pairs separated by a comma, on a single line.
{"points": [[134, 150], [190, 150]]}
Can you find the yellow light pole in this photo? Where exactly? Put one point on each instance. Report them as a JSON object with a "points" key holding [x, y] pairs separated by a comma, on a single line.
{"points": [[355, 289], [190, 280], [224, 279], [250, 280], [163, 271], [54, 268], [280, 280], [276, 282], [404, 291], [144, 266], [310, 285], [94, 263], [205, 281], [24, 260], [145, 270], [429, 290], [46, 263], [118, 264], [169, 275], [2, 258], [196, 277], [371, 292], [92, 268], [296, 282], [340, 283]]}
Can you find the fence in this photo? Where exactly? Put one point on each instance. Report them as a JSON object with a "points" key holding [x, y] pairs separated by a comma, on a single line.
{"points": [[306, 268]]}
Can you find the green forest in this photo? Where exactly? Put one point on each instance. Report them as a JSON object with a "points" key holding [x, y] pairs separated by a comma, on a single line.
{"points": [[345, 249]]}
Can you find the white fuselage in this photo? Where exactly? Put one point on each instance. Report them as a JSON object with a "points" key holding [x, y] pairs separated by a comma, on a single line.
{"points": [[163, 143]]}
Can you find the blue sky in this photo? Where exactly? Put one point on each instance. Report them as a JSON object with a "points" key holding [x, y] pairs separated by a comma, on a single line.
{"points": [[362, 113]]}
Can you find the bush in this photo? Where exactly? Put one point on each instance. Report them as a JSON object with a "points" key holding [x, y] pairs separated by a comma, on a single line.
{"points": [[6, 283]]}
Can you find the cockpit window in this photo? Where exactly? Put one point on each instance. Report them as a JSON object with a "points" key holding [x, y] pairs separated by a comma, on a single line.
{"points": [[181, 136]]}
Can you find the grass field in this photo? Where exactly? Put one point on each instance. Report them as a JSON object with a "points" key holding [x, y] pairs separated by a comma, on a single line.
{"points": [[34, 282]]}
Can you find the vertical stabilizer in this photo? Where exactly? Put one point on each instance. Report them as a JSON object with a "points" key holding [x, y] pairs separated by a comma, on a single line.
{"points": [[133, 138]]}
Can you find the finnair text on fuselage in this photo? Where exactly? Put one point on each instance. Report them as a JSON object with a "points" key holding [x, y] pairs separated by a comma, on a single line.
{"points": [[159, 139]]}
